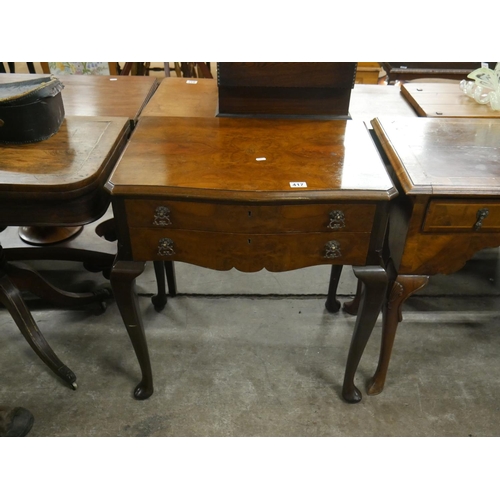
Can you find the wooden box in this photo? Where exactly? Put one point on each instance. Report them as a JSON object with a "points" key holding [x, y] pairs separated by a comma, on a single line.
{"points": [[285, 88]]}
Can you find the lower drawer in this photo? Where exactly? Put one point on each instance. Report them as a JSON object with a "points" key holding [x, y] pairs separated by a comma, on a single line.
{"points": [[249, 252]]}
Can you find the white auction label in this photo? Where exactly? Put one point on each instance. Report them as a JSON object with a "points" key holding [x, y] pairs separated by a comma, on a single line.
{"points": [[192, 81], [298, 184]]}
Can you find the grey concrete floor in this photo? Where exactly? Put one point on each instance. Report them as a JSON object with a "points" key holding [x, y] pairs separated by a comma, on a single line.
{"points": [[257, 355]]}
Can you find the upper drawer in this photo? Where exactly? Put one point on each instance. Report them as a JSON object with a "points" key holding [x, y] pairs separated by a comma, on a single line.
{"points": [[469, 216], [251, 218]]}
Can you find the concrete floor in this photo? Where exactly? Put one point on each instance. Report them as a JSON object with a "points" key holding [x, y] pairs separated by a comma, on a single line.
{"points": [[258, 355]]}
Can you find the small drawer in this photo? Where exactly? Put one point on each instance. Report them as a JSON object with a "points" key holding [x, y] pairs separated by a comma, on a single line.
{"points": [[249, 252], [201, 216], [462, 216]]}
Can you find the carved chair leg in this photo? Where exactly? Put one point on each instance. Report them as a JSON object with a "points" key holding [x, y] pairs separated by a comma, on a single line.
{"points": [[403, 287], [25, 278], [375, 280], [332, 304], [11, 298], [352, 306], [122, 279]]}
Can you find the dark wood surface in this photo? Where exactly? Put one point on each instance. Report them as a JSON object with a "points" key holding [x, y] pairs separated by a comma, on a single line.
{"points": [[100, 95], [194, 189], [448, 170], [444, 100], [198, 98], [59, 181]]}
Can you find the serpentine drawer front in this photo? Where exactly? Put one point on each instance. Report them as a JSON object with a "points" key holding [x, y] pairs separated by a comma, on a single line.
{"points": [[250, 218], [250, 237], [482, 215]]}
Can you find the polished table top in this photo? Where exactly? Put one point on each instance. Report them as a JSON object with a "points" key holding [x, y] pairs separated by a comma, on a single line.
{"points": [[198, 98], [447, 156], [37, 181], [251, 159], [100, 95], [436, 100]]}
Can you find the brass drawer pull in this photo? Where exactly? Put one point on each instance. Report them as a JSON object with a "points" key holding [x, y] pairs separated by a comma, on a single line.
{"points": [[480, 216], [337, 220], [332, 250], [166, 247], [162, 217]]}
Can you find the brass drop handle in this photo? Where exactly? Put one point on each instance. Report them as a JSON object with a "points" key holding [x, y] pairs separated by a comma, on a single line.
{"points": [[162, 217], [332, 250], [166, 247], [337, 220], [480, 216]]}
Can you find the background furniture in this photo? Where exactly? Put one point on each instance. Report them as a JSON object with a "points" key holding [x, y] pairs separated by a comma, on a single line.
{"points": [[314, 89], [447, 169], [404, 71], [438, 100], [56, 182], [80, 68], [83, 95]]}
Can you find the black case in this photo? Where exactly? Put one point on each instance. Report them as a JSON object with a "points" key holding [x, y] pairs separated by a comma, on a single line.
{"points": [[30, 110]]}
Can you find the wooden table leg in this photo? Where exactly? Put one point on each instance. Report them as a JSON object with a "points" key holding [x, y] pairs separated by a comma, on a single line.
{"points": [[352, 306], [162, 269], [11, 298], [374, 279], [332, 304], [403, 288], [122, 280]]}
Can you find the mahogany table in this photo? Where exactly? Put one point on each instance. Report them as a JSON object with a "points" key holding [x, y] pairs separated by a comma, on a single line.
{"points": [[251, 194], [56, 182], [444, 100], [83, 95], [448, 170]]}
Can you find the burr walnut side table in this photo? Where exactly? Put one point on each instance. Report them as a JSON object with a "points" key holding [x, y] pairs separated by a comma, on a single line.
{"points": [[448, 171], [250, 193]]}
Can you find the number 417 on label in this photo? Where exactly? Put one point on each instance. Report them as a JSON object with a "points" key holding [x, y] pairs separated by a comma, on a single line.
{"points": [[298, 184]]}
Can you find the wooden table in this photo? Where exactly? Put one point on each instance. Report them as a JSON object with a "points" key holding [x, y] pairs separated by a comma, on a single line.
{"points": [[83, 95], [448, 170], [444, 100], [251, 194], [56, 182], [100, 95], [183, 97]]}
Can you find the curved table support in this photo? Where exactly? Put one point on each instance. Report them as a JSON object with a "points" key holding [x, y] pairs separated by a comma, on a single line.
{"points": [[11, 298], [25, 278], [403, 288], [374, 286], [122, 279]]}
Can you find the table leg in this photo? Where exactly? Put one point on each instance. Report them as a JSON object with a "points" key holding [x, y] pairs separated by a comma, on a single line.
{"points": [[122, 280], [352, 306], [374, 279], [11, 298], [332, 304], [162, 269], [402, 289]]}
